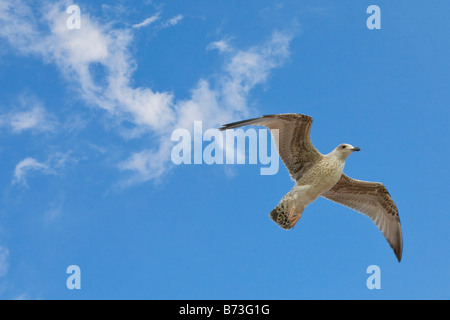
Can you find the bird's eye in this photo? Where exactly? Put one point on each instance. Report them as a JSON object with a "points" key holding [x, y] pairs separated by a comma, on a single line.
{"points": [[343, 147]]}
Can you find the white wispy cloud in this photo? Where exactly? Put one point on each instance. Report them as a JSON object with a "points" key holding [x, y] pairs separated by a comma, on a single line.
{"points": [[51, 166], [147, 21], [224, 98], [28, 115], [215, 103], [220, 45], [25, 166], [27, 120], [75, 50], [172, 21]]}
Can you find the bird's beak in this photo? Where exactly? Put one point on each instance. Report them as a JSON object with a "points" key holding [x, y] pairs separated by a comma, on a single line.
{"points": [[356, 149]]}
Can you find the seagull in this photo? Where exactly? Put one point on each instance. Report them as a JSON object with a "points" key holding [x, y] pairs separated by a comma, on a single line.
{"points": [[317, 175]]}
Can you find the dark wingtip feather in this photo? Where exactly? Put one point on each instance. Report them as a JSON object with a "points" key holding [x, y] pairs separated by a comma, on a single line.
{"points": [[237, 124], [398, 253]]}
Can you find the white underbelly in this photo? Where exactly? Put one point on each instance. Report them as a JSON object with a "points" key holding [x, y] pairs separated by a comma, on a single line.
{"points": [[307, 193]]}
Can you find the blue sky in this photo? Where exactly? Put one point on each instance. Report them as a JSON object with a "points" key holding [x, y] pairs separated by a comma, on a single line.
{"points": [[86, 117]]}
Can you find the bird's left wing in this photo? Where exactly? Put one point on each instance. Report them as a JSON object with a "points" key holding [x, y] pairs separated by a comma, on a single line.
{"points": [[291, 134], [373, 200]]}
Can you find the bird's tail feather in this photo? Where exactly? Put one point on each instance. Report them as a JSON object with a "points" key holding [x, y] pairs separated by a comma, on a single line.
{"points": [[287, 212]]}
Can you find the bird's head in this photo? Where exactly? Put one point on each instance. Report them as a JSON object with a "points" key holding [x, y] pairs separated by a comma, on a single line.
{"points": [[345, 149]]}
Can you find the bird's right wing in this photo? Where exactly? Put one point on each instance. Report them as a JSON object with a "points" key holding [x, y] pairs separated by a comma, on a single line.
{"points": [[291, 133], [373, 200]]}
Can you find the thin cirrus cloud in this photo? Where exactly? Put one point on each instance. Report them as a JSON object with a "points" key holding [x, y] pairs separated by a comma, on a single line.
{"points": [[165, 24], [172, 21], [147, 21], [223, 98], [214, 103], [220, 45], [35, 119], [25, 166], [54, 163]]}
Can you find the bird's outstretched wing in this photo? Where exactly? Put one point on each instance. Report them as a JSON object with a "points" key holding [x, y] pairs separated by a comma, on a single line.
{"points": [[291, 133], [373, 200]]}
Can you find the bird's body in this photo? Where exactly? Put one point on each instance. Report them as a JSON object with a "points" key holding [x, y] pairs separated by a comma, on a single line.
{"points": [[318, 179], [325, 173], [318, 175]]}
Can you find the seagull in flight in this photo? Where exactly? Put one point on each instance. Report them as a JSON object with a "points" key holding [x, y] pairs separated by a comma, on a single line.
{"points": [[317, 175]]}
